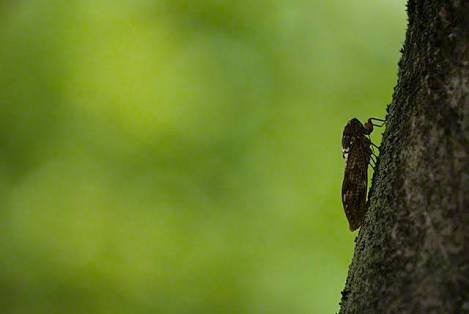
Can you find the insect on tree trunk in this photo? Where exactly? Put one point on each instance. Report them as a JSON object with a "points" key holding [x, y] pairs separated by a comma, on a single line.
{"points": [[412, 251]]}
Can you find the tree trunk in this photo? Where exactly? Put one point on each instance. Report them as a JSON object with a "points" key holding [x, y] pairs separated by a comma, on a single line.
{"points": [[412, 252]]}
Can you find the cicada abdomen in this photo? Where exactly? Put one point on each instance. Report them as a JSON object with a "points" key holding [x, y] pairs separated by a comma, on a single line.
{"points": [[356, 150]]}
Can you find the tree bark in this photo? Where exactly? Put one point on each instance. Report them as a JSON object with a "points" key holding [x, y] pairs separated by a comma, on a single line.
{"points": [[412, 252]]}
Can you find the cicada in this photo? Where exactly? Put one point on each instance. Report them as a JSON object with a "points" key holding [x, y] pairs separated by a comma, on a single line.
{"points": [[357, 152]]}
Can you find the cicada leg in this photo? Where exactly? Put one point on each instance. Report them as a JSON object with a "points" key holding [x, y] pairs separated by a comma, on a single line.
{"points": [[379, 123], [373, 161]]}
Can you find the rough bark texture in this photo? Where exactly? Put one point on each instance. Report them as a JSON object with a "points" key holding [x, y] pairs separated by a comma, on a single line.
{"points": [[411, 255]]}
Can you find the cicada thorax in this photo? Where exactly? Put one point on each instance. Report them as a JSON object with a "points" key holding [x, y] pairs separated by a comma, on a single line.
{"points": [[356, 149]]}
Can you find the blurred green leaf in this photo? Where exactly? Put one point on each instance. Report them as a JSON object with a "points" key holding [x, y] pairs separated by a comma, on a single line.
{"points": [[182, 156]]}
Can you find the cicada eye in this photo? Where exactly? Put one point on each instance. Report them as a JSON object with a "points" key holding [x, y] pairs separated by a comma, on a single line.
{"points": [[368, 126]]}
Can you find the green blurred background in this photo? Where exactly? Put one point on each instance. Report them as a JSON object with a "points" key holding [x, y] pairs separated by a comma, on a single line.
{"points": [[183, 156]]}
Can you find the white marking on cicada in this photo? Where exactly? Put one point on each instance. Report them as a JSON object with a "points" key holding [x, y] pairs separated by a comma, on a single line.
{"points": [[345, 153]]}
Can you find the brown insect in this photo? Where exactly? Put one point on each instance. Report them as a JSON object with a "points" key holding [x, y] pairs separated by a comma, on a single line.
{"points": [[357, 152]]}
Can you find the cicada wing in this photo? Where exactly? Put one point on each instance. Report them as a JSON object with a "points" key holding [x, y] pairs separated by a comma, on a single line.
{"points": [[355, 184]]}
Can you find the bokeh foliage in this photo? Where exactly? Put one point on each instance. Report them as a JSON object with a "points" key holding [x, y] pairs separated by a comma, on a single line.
{"points": [[182, 156]]}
